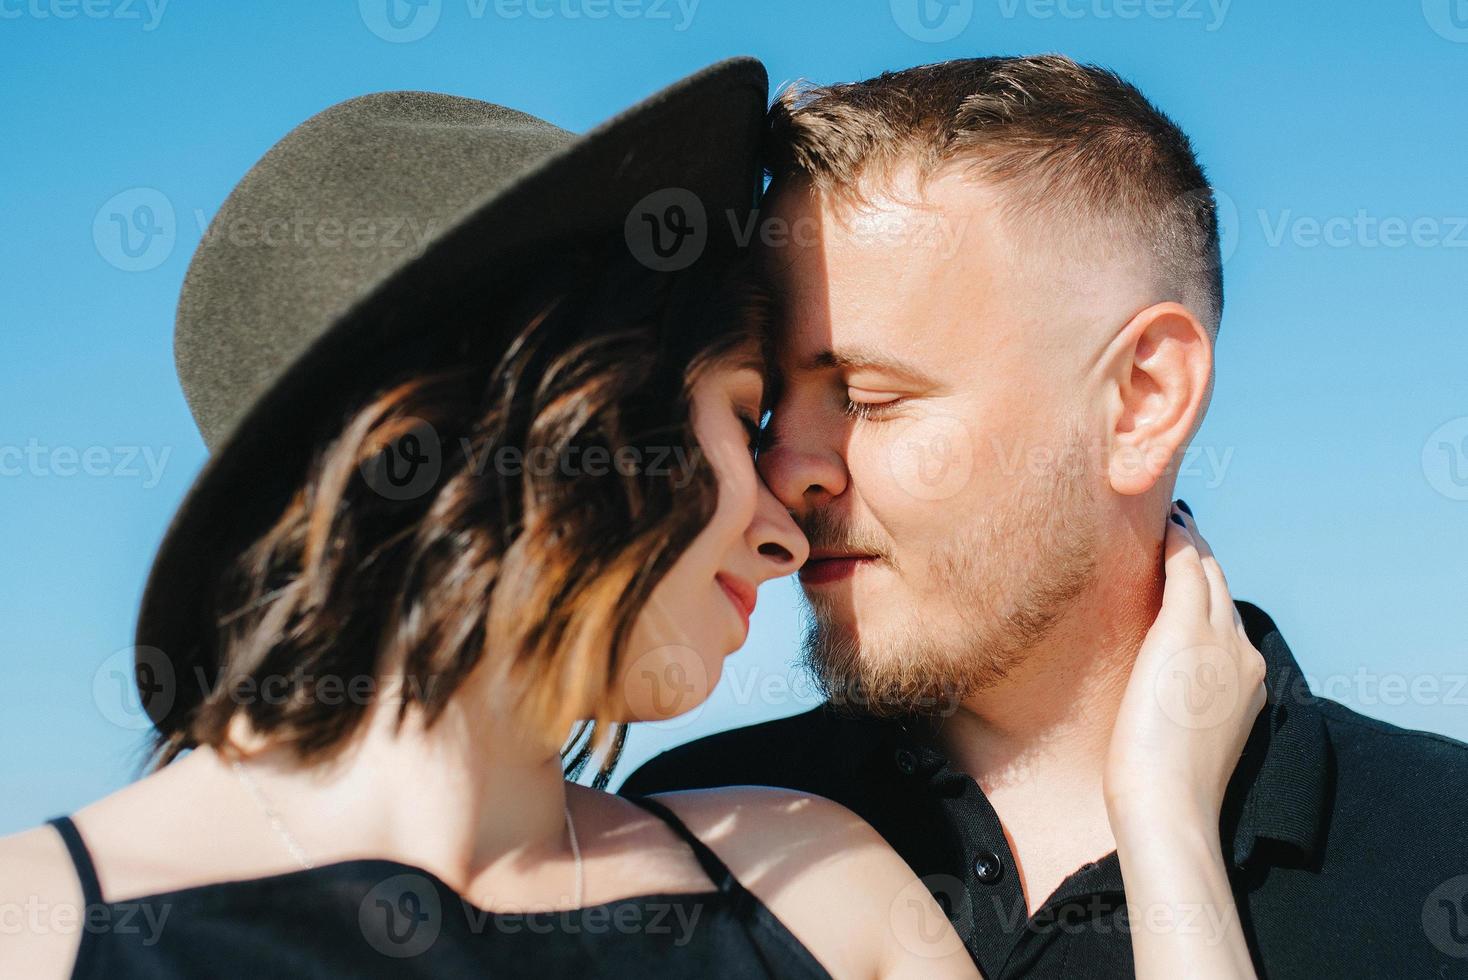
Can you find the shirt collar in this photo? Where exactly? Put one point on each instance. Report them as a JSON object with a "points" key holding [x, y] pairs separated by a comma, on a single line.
{"points": [[1279, 791], [1280, 788]]}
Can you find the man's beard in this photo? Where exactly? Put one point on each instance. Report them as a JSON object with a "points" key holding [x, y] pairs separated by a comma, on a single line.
{"points": [[1006, 579]]}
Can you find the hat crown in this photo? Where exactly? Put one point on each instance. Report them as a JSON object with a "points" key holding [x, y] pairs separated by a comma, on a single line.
{"points": [[342, 202]]}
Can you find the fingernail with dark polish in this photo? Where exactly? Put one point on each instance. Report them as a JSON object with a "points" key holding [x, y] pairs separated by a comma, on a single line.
{"points": [[1182, 505], [1178, 521]]}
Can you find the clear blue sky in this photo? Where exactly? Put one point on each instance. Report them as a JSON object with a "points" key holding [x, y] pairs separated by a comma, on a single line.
{"points": [[1333, 470]]}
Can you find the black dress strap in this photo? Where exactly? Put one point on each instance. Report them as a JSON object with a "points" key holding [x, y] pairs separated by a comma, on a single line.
{"points": [[86, 871], [716, 869]]}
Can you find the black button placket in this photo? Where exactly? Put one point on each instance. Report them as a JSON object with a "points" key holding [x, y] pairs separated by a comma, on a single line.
{"points": [[991, 919]]}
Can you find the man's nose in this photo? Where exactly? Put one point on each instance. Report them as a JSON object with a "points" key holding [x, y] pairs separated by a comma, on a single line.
{"points": [[801, 472]]}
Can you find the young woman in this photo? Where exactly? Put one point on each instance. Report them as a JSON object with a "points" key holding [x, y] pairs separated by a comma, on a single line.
{"points": [[373, 779]]}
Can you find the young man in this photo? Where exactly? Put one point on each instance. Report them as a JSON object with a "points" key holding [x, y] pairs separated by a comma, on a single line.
{"points": [[999, 287]]}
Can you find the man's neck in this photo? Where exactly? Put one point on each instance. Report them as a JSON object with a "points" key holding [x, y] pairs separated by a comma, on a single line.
{"points": [[1036, 743], [1060, 701]]}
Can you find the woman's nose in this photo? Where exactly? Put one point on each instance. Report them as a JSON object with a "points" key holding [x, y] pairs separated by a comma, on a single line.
{"points": [[775, 538]]}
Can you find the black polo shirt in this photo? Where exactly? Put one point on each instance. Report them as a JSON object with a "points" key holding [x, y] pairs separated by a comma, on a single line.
{"points": [[1346, 837]]}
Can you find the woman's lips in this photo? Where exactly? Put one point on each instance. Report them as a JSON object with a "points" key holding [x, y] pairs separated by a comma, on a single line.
{"points": [[740, 594], [835, 568]]}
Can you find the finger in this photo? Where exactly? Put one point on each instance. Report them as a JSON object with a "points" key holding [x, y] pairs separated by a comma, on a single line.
{"points": [[1220, 600], [1258, 697], [1185, 593]]}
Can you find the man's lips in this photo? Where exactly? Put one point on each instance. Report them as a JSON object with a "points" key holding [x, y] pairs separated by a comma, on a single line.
{"points": [[740, 593], [826, 567]]}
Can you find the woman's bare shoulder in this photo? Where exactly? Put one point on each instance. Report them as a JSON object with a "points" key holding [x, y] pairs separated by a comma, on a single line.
{"points": [[825, 873], [42, 909], [745, 823], [774, 840], [35, 857]]}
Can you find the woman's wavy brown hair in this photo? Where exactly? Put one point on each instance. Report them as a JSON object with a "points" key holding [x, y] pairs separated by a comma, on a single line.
{"points": [[537, 571]]}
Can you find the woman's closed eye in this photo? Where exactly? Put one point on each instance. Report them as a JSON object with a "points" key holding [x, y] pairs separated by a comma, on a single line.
{"points": [[752, 429]]}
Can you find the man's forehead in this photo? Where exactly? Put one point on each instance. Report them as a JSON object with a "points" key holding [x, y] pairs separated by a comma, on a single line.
{"points": [[825, 318], [878, 334], [902, 233], [877, 197]]}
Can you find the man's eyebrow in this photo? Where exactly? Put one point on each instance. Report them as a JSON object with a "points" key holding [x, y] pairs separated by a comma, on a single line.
{"points": [[868, 359]]}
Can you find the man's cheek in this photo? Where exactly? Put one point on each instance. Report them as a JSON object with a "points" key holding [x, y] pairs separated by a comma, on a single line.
{"points": [[927, 459]]}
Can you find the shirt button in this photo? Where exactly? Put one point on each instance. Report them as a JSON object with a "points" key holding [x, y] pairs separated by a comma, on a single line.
{"points": [[906, 762], [987, 867]]}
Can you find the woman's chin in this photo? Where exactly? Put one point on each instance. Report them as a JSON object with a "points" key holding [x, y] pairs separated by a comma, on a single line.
{"points": [[669, 683]]}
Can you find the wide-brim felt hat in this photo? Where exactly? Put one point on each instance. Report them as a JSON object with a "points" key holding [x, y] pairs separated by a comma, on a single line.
{"points": [[386, 202]]}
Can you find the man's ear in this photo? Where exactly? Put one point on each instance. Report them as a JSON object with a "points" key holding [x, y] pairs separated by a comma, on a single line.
{"points": [[1161, 364]]}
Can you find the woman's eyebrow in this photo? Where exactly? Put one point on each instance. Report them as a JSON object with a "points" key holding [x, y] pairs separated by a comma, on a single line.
{"points": [[750, 360]]}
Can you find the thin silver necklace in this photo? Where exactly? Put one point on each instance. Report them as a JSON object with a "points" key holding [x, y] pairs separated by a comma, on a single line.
{"points": [[299, 853], [276, 824]]}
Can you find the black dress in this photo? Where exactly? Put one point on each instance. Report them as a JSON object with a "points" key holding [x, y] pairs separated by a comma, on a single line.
{"points": [[383, 918]]}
